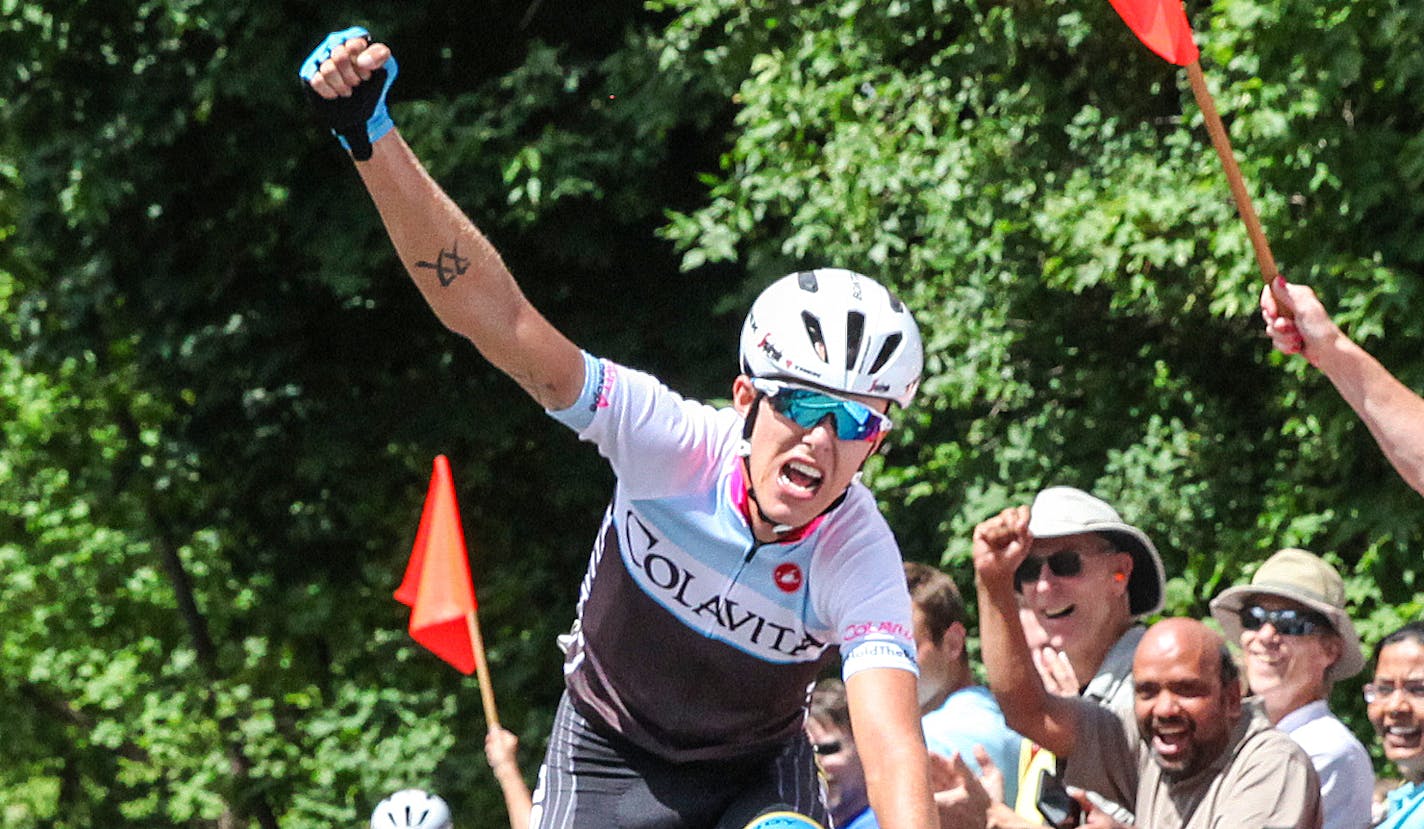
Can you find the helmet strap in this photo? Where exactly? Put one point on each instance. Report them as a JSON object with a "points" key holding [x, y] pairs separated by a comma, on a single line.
{"points": [[744, 448]]}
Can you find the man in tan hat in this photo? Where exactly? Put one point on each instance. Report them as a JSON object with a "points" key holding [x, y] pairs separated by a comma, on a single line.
{"points": [[1087, 579], [1298, 640]]}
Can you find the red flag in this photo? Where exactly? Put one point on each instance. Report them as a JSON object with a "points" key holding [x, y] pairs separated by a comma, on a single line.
{"points": [[437, 585], [1161, 25]]}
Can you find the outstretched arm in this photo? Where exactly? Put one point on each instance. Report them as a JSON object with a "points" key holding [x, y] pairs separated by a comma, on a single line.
{"points": [[452, 263], [1299, 324], [1000, 545]]}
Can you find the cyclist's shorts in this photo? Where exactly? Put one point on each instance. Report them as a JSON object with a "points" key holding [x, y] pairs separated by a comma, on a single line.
{"points": [[594, 779]]}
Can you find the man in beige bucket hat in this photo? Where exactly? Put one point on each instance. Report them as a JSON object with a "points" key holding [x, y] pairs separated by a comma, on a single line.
{"points": [[1297, 641], [1088, 579]]}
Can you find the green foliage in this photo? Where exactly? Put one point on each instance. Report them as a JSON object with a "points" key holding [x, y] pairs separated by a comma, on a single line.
{"points": [[221, 398], [1041, 189]]}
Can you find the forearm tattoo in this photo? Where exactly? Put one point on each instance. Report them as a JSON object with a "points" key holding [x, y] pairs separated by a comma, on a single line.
{"points": [[448, 266]]}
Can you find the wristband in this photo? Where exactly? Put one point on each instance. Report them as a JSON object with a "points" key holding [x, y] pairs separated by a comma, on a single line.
{"points": [[361, 119]]}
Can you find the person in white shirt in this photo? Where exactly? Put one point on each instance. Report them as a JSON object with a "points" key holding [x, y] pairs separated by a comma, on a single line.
{"points": [[1297, 641]]}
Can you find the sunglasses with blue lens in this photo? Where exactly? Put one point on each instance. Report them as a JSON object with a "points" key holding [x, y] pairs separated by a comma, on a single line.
{"points": [[1287, 621], [808, 407]]}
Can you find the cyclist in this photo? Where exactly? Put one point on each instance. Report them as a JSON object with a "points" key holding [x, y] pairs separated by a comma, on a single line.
{"points": [[739, 553]]}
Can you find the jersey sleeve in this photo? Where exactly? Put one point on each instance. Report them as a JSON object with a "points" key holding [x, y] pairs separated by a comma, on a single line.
{"points": [[866, 596], [657, 442]]}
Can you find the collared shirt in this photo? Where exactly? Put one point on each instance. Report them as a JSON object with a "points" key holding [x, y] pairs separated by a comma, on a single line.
{"points": [[1347, 779], [1406, 808], [1261, 780], [1112, 686]]}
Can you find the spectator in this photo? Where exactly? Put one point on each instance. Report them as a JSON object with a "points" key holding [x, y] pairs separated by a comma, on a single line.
{"points": [[1299, 324], [1191, 754], [1297, 642], [957, 713], [829, 730], [1396, 708], [1087, 579]]}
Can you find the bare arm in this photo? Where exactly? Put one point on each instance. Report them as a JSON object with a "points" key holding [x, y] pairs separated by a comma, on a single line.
{"points": [[1000, 545], [1393, 414], [452, 263], [501, 749], [885, 718]]}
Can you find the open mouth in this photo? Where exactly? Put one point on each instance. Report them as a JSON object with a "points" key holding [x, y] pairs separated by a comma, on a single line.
{"points": [[1170, 739], [1402, 736], [801, 477], [1059, 614]]}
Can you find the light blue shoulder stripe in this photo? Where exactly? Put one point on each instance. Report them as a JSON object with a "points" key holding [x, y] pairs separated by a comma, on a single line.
{"points": [[580, 414]]}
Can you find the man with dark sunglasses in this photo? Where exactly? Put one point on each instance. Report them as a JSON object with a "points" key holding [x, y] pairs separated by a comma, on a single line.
{"points": [[739, 556], [1087, 578], [1297, 641]]}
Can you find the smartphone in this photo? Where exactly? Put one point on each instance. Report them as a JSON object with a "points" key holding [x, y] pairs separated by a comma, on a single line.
{"points": [[1055, 804]]}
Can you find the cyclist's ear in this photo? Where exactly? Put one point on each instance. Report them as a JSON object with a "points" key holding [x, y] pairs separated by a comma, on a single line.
{"points": [[743, 394]]}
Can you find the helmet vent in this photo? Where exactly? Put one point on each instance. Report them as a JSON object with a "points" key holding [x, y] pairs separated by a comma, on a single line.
{"points": [[806, 280], [892, 342], [855, 330], [813, 330]]}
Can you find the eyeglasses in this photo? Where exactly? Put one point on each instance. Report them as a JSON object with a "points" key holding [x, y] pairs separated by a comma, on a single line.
{"points": [[1064, 564], [808, 407], [1380, 691], [1287, 621], [828, 747]]}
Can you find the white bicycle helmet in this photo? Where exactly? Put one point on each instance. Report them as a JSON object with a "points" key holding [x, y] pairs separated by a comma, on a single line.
{"points": [[411, 809], [837, 330]]}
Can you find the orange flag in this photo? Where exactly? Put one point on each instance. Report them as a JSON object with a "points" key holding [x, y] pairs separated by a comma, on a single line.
{"points": [[437, 586], [1161, 25]]}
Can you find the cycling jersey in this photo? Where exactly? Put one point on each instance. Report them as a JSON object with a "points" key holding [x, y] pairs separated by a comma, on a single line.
{"points": [[693, 640]]}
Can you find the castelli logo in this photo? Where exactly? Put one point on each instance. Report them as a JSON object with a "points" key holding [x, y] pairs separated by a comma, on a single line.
{"points": [[788, 578]]}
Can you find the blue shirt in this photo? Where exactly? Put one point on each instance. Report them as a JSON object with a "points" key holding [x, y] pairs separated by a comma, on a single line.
{"points": [[969, 716], [1406, 808], [864, 820]]}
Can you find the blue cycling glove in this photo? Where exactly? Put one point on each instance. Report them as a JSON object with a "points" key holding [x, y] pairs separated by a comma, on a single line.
{"points": [[360, 120]]}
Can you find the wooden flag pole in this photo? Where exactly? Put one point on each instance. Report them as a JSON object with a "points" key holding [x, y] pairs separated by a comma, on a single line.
{"points": [[1219, 139], [477, 644]]}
